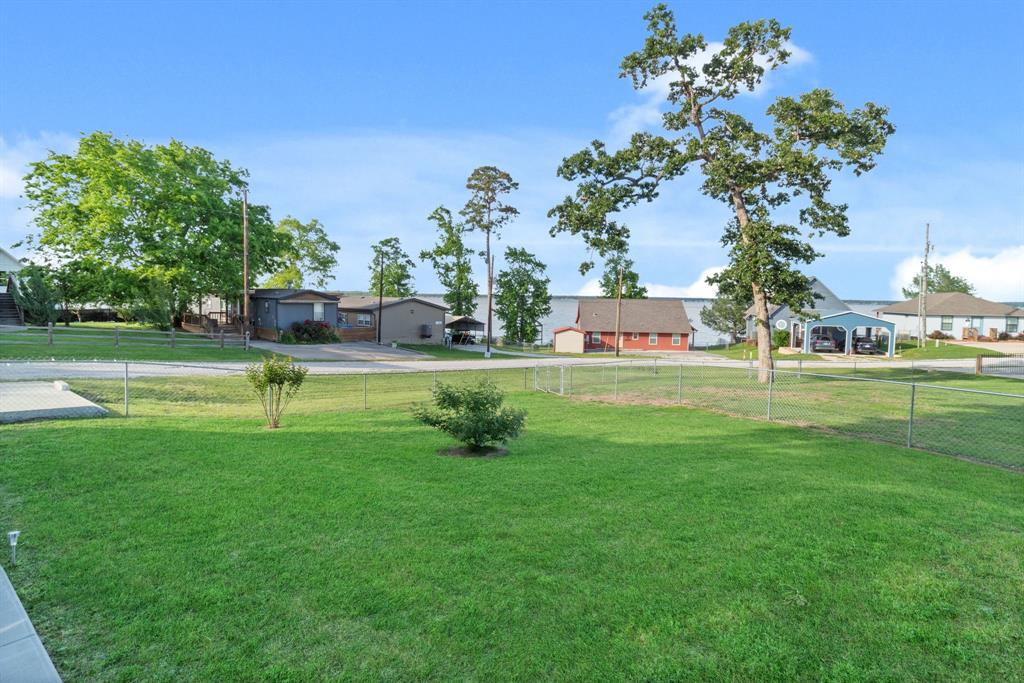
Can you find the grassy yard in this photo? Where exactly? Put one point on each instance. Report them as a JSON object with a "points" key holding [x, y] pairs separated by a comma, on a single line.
{"points": [[743, 352], [95, 341], [909, 351], [614, 543]]}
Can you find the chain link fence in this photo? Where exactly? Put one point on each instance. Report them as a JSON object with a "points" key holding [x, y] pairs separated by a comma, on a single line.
{"points": [[981, 425]]}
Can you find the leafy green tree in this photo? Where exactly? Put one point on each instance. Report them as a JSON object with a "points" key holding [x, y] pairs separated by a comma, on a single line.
{"points": [[451, 261], [36, 296], [728, 313], [939, 280], [754, 172], [397, 265], [523, 298], [487, 212], [473, 414], [167, 214], [631, 288], [308, 257]]}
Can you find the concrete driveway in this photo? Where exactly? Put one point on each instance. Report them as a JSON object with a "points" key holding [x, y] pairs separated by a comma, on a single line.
{"points": [[1004, 346], [349, 351]]}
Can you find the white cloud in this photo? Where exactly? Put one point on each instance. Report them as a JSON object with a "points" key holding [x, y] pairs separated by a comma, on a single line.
{"points": [[591, 288], [999, 277], [631, 118], [15, 157], [698, 289]]}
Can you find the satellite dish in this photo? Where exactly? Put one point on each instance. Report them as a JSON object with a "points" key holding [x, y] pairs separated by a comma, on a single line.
{"points": [[780, 324]]}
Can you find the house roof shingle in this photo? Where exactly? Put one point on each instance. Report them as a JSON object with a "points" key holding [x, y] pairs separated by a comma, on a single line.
{"points": [[292, 294], [950, 303], [366, 302], [638, 315]]}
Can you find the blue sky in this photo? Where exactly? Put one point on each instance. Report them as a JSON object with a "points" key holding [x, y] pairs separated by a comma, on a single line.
{"points": [[367, 116]]}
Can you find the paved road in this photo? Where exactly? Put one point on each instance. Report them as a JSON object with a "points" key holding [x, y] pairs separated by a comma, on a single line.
{"points": [[26, 370]]}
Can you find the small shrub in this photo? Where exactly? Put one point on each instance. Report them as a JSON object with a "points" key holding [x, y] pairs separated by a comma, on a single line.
{"points": [[473, 414], [311, 332], [288, 338], [1004, 336], [276, 380], [939, 334], [780, 338]]}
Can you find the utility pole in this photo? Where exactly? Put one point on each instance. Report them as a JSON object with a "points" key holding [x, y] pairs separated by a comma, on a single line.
{"points": [[245, 260], [380, 295], [922, 295], [618, 312]]}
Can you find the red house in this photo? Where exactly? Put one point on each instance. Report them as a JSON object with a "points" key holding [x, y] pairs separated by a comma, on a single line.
{"points": [[646, 325]]}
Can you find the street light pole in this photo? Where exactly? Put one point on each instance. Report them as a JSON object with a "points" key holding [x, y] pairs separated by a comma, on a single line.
{"points": [[618, 312], [245, 260]]}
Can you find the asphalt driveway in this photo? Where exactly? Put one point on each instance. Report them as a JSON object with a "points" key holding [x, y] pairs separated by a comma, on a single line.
{"points": [[349, 351]]}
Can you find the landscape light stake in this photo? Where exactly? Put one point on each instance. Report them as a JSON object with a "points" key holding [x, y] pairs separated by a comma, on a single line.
{"points": [[49, 334], [12, 538]]}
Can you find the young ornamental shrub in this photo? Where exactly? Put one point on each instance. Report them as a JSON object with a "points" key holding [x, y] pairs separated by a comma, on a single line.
{"points": [[276, 380], [780, 338], [473, 414]]}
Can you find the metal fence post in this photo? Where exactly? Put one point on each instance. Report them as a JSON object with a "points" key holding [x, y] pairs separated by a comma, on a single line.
{"points": [[615, 392], [561, 380], [222, 338], [799, 368], [655, 366], [771, 383], [570, 380], [526, 375], [433, 386], [679, 388], [126, 390], [536, 377], [172, 337], [910, 420], [364, 391], [117, 337], [49, 333]]}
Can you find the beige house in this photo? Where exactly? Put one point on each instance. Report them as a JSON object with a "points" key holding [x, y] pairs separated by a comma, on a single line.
{"points": [[956, 314], [409, 320]]}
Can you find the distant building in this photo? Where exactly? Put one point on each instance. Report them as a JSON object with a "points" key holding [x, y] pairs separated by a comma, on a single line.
{"points": [[785, 318], [955, 313], [274, 310], [409, 319], [645, 324]]}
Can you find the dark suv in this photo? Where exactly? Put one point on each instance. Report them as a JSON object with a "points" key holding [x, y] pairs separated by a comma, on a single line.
{"points": [[866, 347]]}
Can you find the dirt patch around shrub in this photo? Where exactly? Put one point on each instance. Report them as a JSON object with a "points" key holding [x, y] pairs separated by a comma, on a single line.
{"points": [[465, 452]]}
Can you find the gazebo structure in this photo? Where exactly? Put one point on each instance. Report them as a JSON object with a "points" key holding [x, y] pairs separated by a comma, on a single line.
{"points": [[847, 327]]}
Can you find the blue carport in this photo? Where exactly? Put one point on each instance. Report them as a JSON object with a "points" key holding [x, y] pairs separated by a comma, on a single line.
{"points": [[850, 322]]}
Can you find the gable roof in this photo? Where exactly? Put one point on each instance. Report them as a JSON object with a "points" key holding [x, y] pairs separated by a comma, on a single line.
{"points": [[461, 319], [366, 302], [284, 294], [828, 304], [638, 315], [9, 262], [1016, 313], [950, 303]]}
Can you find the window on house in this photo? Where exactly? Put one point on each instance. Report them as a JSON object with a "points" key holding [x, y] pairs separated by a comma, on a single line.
{"points": [[947, 323], [1011, 325], [318, 312], [677, 339], [364, 320], [595, 337], [652, 339], [636, 336], [342, 318]]}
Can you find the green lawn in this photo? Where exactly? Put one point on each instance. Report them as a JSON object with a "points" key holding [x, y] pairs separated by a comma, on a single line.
{"points": [[742, 352], [441, 352], [614, 543], [95, 341], [909, 351]]}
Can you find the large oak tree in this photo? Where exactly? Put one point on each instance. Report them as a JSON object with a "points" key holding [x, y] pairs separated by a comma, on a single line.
{"points": [[753, 170]]}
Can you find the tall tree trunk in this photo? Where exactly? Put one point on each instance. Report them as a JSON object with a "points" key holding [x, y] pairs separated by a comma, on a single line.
{"points": [[765, 363]]}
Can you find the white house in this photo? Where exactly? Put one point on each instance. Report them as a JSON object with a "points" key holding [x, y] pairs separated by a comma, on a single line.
{"points": [[9, 265], [954, 313], [784, 318]]}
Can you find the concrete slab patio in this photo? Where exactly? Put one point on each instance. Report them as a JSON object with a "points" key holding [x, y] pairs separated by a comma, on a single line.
{"points": [[23, 659], [21, 401]]}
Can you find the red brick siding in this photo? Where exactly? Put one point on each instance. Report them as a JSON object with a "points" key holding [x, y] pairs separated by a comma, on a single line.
{"points": [[641, 344]]}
